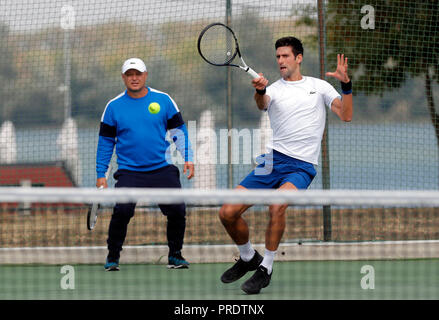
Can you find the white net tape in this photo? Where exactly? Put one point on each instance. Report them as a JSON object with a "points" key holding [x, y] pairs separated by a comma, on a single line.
{"points": [[216, 197]]}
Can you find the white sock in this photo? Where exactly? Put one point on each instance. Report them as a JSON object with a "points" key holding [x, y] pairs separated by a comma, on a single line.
{"points": [[246, 251], [268, 260]]}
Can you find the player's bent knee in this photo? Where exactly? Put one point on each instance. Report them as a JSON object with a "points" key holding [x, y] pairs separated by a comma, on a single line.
{"points": [[277, 211], [228, 213], [223, 213]]}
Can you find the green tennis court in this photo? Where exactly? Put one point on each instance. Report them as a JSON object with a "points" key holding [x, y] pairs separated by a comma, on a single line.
{"points": [[393, 279]]}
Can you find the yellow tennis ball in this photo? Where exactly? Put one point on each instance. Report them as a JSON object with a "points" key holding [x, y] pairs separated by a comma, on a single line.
{"points": [[154, 108]]}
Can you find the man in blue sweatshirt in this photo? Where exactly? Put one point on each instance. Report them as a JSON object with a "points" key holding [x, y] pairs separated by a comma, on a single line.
{"points": [[136, 122]]}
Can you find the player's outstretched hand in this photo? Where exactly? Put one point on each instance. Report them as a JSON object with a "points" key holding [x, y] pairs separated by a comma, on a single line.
{"points": [[189, 168], [260, 83], [341, 73]]}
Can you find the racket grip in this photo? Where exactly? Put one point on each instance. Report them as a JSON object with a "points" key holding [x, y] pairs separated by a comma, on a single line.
{"points": [[253, 73]]}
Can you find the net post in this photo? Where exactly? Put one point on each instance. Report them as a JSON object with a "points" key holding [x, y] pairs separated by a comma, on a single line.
{"points": [[327, 226], [67, 75], [229, 105]]}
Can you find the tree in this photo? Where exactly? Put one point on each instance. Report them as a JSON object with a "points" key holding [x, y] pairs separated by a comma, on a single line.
{"points": [[387, 42]]}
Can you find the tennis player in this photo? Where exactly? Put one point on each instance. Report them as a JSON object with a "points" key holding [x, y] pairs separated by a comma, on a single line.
{"points": [[136, 122], [296, 107]]}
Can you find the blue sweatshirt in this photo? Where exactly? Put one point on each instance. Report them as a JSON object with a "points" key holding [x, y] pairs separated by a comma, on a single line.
{"points": [[138, 127]]}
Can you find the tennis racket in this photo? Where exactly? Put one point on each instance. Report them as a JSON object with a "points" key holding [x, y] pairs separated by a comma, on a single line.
{"points": [[92, 215], [95, 208], [218, 45]]}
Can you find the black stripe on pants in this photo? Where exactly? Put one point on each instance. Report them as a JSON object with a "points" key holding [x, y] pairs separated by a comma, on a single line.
{"points": [[166, 177]]}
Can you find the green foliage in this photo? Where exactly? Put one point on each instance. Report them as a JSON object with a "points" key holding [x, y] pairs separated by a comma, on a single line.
{"points": [[403, 43]]}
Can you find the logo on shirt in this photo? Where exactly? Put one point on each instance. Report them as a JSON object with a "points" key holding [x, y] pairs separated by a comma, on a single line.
{"points": [[154, 108], [312, 92]]}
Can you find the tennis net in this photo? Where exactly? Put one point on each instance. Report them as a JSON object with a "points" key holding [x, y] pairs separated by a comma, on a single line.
{"points": [[38, 224], [46, 228]]}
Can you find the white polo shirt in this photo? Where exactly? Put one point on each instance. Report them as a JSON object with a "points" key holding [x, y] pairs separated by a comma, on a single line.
{"points": [[297, 116]]}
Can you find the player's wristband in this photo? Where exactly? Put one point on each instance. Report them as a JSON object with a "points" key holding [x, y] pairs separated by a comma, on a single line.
{"points": [[261, 92], [346, 88]]}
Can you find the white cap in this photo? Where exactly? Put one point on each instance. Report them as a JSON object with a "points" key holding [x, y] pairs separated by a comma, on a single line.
{"points": [[133, 63]]}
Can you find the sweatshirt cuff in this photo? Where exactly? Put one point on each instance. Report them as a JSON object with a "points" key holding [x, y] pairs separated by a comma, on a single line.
{"points": [[100, 175]]}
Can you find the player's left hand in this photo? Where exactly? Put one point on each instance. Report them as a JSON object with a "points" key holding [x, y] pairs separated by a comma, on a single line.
{"points": [[189, 168], [341, 73]]}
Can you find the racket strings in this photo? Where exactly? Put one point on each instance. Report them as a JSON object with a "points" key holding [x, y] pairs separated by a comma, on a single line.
{"points": [[217, 45]]}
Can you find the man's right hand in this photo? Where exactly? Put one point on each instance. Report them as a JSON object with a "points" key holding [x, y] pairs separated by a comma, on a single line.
{"points": [[260, 83], [101, 182], [262, 100]]}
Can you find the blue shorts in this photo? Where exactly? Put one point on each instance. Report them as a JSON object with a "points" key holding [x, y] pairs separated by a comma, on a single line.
{"points": [[275, 169]]}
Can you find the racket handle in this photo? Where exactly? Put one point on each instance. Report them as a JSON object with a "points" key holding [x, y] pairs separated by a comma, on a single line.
{"points": [[253, 73]]}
